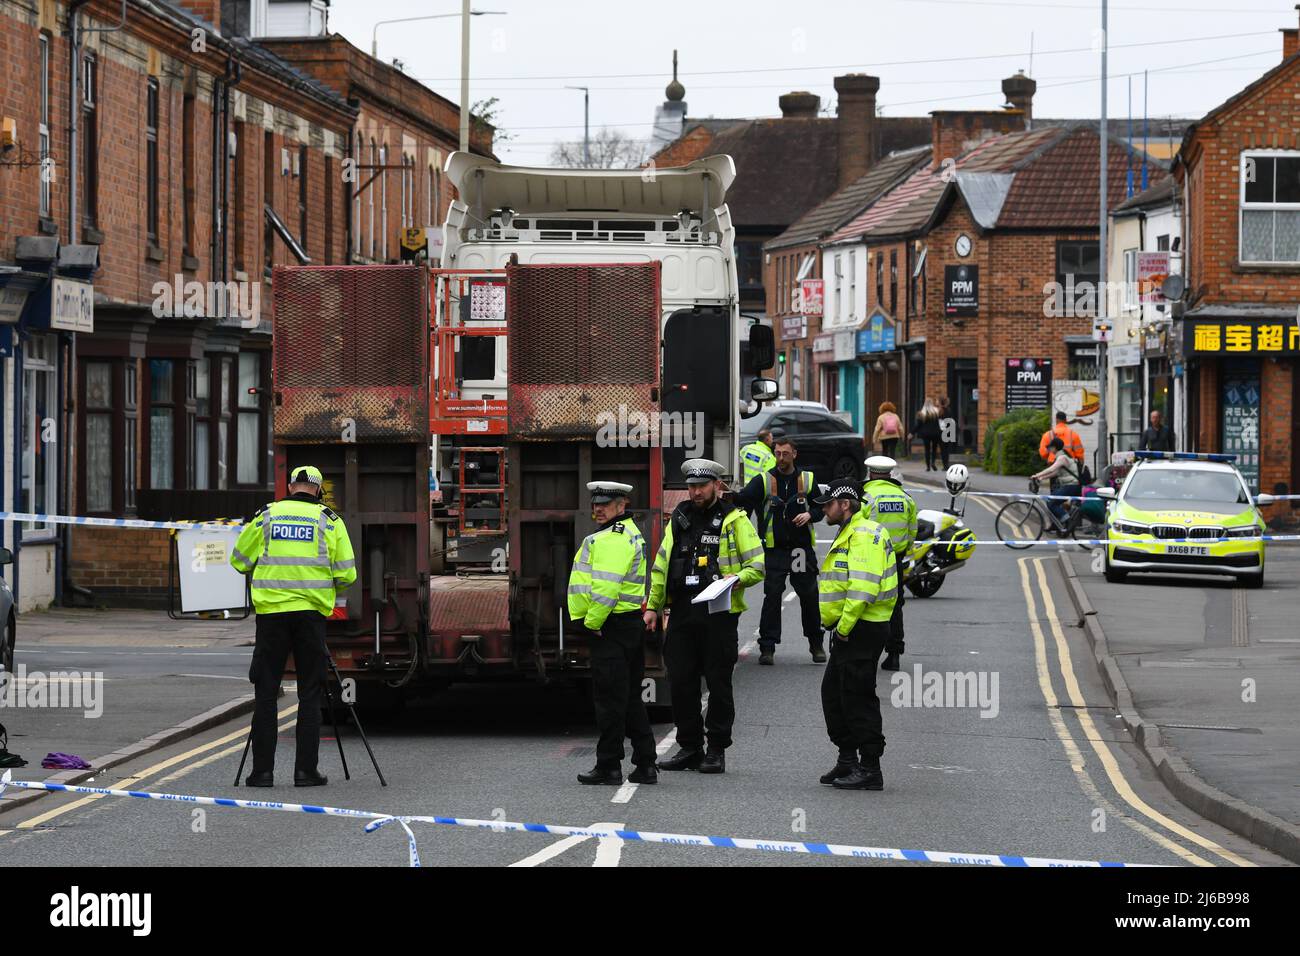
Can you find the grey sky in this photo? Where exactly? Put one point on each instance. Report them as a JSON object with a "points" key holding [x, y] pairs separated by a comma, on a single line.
{"points": [[623, 51]]}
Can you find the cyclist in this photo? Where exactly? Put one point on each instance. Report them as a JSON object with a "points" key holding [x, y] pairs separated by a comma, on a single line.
{"points": [[1064, 478]]}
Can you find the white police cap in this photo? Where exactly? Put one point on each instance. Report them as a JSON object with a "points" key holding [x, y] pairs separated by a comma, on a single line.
{"points": [[881, 463], [697, 471], [603, 492]]}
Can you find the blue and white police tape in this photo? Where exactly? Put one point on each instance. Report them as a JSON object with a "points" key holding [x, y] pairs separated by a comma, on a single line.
{"points": [[1029, 494], [222, 525], [380, 820], [1102, 542]]}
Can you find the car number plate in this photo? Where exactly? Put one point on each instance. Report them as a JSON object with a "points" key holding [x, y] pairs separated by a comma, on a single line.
{"points": [[1187, 549]]}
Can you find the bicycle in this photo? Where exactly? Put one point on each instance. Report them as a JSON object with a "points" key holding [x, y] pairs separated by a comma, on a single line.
{"points": [[1023, 520]]}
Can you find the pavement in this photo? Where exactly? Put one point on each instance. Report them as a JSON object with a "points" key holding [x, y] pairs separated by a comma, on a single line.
{"points": [[1048, 769], [110, 685]]}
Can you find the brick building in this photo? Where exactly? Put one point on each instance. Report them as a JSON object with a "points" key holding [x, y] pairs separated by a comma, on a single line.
{"points": [[203, 159], [948, 276], [1238, 179]]}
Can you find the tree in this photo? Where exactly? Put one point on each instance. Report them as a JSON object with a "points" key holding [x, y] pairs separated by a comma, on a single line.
{"points": [[609, 148], [485, 114]]}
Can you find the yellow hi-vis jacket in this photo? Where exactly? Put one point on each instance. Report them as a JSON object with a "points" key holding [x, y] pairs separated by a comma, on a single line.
{"points": [[740, 553], [299, 553], [608, 574], [755, 458], [885, 503], [858, 580]]}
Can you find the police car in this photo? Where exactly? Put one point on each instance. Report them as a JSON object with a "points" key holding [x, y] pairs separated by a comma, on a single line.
{"points": [[1185, 513]]}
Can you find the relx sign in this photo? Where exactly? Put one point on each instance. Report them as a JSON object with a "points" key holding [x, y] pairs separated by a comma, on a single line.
{"points": [[961, 290]]}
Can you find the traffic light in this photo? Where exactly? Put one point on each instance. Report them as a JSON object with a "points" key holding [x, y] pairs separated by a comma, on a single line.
{"points": [[780, 357]]}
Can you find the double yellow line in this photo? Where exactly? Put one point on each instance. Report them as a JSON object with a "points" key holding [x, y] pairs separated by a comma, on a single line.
{"points": [[1099, 746], [132, 782]]}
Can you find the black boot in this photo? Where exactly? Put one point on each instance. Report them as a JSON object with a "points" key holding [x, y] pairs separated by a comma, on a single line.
{"points": [[714, 762], [611, 775], [890, 662], [263, 779], [309, 778], [646, 773], [683, 760], [843, 767], [767, 653], [864, 776], [817, 650]]}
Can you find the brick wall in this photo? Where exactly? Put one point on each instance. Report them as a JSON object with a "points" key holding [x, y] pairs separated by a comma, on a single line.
{"points": [[121, 567]]}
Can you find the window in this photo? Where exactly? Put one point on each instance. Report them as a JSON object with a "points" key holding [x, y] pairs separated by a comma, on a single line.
{"points": [[1130, 279], [853, 283], [162, 418], [1077, 263], [916, 297], [89, 143], [44, 128], [248, 454], [383, 202], [1162, 243], [1130, 406], [129, 420], [151, 159], [783, 303], [302, 196], [237, 213], [98, 431], [893, 281], [370, 193], [269, 172], [1270, 207], [428, 197], [880, 279], [356, 196], [749, 265], [329, 210], [200, 425], [39, 450], [221, 413], [1082, 362], [188, 184]]}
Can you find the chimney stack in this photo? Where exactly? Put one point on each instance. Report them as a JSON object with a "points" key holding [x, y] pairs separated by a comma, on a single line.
{"points": [[1019, 91], [1290, 40], [209, 10], [799, 103], [856, 119], [955, 132]]}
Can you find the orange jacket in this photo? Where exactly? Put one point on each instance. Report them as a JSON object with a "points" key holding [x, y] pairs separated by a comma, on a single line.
{"points": [[1073, 444]]}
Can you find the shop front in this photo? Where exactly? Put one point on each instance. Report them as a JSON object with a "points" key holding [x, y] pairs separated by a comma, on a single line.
{"points": [[882, 364]]}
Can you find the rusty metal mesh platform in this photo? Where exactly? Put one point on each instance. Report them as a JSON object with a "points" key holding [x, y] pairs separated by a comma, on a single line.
{"points": [[583, 341], [350, 344]]}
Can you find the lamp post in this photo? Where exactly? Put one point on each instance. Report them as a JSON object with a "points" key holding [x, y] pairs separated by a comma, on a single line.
{"points": [[586, 123], [465, 14], [1103, 433]]}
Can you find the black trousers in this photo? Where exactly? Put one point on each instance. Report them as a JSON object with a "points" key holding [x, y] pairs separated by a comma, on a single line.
{"points": [[303, 633], [849, 701], [702, 646], [777, 563], [617, 669], [933, 450], [895, 643]]}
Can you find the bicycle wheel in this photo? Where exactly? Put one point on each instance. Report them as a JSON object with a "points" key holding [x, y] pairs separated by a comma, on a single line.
{"points": [[1020, 520], [1089, 531]]}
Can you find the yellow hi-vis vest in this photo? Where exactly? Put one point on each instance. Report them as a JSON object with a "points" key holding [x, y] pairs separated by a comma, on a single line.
{"points": [[299, 553], [858, 579], [608, 574], [755, 458], [740, 553], [804, 485], [889, 505]]}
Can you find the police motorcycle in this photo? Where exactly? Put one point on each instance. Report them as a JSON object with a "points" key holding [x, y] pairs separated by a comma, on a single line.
{"points": [[943, 543]]}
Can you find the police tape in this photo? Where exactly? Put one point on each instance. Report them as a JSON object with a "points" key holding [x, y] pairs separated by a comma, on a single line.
{"points": [[1102, 542], [1029, 495], [220, 524], [380, 820]]}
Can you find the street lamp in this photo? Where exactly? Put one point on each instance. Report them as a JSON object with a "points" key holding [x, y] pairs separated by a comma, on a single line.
{"points": [[586, 123], [465, 14]]}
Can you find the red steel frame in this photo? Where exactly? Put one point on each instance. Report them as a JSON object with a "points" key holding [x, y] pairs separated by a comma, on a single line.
{"points": [[449, 414]]}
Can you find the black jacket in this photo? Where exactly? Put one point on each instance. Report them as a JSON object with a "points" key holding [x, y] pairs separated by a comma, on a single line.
{"points": [[1157, 439], [784, 535]]}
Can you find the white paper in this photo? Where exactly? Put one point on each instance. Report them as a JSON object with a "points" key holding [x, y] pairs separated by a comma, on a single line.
{"points": [[717, 595]]}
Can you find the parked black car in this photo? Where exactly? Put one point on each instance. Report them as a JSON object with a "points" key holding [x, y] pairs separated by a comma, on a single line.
{"points": [[827, 446]]}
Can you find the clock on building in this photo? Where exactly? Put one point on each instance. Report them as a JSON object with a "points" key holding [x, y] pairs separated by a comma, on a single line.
{"points": [[963, 245]]}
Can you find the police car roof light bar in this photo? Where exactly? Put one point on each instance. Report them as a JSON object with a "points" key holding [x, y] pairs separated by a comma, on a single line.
{"points": [[1185, 456]]}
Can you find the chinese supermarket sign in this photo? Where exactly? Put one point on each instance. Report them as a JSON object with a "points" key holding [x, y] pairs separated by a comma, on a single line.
{"points": [[1225, 337]]}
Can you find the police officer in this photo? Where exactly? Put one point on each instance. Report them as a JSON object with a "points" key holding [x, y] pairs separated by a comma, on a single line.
{"points": [[705, 539], [781, 495], [299, 554], [606, 596], [756, 458], [858, 584], [886, 503]]}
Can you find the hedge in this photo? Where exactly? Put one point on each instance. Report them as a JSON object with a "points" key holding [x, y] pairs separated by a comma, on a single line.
{"points": [[1011, 442]]}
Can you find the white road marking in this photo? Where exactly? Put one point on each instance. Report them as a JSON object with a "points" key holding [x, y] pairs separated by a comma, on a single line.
{"points": [[789, 597], [214, 676], [609, 856]]}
